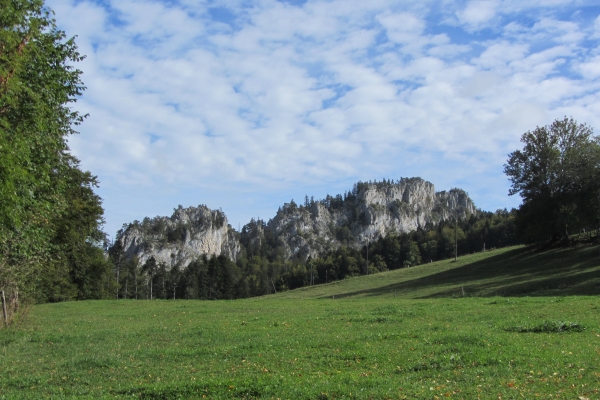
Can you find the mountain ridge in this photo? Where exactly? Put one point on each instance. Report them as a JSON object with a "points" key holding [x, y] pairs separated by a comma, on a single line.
{"points": [[371, 210]]}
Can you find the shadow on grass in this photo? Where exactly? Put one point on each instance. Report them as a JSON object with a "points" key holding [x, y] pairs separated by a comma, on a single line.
{"points": [[519, 272]]}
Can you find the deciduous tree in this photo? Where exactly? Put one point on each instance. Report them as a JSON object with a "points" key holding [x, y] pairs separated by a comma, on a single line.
{"points": [[557, 174], [38, 83]]}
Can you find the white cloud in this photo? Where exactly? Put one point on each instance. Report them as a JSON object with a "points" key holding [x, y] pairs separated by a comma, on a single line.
{"points": [[478, 13], [289, 98], [596, 29], [559, 31], [591, 68], [402, 27]]}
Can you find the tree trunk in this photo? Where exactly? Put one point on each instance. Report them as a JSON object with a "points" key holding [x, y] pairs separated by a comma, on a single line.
{"points": [[4, 310], [136, 279], [16, 300], [455, 238]]}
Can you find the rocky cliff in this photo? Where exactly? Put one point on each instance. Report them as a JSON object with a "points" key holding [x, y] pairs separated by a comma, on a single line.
{"points": [[178, 240], [368, 212]]}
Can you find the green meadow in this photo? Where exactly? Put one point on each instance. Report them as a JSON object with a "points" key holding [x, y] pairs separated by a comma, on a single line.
{"points": [[507, 324]]}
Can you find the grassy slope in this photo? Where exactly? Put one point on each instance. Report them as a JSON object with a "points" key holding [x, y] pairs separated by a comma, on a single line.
{"points": [[513, 271], [366, 345]]}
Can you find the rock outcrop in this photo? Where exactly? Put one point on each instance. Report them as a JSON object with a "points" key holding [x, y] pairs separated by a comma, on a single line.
{"points": [[178, 240], [369, 212]]}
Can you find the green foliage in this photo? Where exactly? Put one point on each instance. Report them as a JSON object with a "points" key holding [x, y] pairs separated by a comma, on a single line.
{"points": [[557, 174], [218, 219], [77, 240], [344, 235], [177, 234], [49, 216], [413, 256]]}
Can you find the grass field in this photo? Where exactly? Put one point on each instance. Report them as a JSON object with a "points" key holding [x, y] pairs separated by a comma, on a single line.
{"points": [[353, 339]]}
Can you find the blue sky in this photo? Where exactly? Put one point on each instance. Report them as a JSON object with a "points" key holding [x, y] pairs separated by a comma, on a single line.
{"points": [[244, 105]]}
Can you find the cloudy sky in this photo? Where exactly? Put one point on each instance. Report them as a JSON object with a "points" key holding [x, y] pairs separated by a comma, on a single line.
{"points": [[244, 105]]}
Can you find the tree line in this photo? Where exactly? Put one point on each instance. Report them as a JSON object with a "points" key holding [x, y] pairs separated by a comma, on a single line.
{"points": [[264, 269]]}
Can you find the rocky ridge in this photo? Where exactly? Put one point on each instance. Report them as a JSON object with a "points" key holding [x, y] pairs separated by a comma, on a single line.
{"points": [[368, 212], [178, 240]]}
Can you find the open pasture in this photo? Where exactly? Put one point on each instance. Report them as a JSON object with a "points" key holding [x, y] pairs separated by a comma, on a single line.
{"points": [[511, 271], [380, 348], [366, 345]]}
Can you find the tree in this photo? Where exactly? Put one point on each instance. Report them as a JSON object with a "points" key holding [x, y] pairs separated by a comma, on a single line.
{"points": [[77, 239], [150, 267], [115, 252], [37, 84], [413, 255], [557, 175]]}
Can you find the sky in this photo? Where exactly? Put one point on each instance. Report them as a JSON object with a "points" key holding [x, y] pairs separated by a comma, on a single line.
{"points": [[245, 105]]}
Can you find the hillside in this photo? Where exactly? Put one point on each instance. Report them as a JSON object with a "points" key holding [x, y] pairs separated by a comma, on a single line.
{"points": [[512, 271]]}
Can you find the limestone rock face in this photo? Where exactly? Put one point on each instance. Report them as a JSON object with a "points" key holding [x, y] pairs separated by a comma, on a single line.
{"points": [[180, 239], [371, 211]]}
